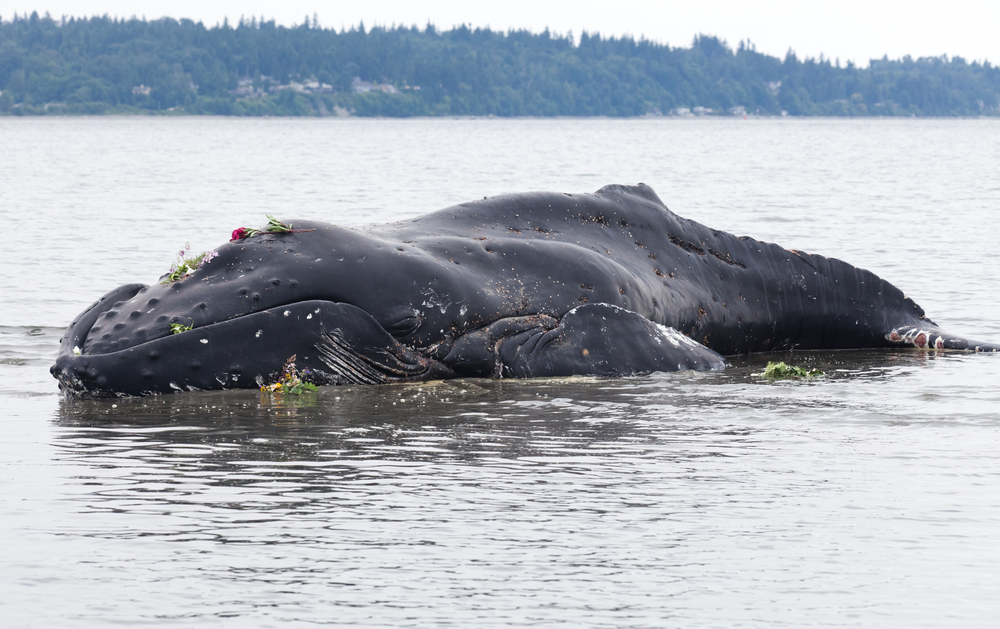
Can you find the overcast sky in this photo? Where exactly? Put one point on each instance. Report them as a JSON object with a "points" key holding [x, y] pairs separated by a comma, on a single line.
{"points": [[848, 29]]}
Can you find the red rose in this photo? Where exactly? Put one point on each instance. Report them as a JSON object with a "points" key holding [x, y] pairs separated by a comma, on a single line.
{"points": [[239, 234]]}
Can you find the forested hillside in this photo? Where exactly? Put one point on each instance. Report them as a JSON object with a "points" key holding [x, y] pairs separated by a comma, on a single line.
{"points": [[103, 65]]}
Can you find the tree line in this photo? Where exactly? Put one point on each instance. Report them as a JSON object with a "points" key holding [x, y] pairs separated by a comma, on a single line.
{"points": [[256, 67]]}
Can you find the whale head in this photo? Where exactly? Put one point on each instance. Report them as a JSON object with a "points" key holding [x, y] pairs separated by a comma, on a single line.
{"points": [[353, 306]]}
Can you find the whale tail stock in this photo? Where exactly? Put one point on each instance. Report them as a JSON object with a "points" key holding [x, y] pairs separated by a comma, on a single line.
{"points": [[930, 337]]}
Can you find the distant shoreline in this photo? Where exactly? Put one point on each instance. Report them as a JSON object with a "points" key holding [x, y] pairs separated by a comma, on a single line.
{"points": [[61, 110], [677, 119], [96, 66]]}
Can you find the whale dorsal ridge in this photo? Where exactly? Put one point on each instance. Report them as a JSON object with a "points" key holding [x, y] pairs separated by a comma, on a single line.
{"points": [[638, 190]]}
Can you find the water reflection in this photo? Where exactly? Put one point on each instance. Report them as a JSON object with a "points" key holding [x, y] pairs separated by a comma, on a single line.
{"points": [[439, 421], [349, 431], [610, 500]]}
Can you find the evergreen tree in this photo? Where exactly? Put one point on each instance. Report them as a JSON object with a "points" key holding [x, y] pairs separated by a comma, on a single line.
{"points": [[100, 64]]}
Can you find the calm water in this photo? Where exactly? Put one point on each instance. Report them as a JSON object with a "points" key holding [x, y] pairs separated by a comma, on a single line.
{"points": [[867, 497]]}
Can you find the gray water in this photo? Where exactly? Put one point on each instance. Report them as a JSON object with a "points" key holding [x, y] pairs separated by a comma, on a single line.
{"points": [[866, 497]]}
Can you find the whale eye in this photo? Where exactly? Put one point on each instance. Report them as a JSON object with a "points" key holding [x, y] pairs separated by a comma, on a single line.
{"points": [[405, 326]]}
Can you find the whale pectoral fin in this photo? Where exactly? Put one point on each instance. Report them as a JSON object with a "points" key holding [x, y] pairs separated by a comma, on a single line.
{"points": [[357, 350], [605, 340], [932, 338], [477, 353], [595, 339]]}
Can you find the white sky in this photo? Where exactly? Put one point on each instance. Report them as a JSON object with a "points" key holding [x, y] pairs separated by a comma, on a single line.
{"points": [[849, 29]]}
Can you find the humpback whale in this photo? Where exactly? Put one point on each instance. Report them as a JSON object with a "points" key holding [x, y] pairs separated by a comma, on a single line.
{"points": [[515, 286]]}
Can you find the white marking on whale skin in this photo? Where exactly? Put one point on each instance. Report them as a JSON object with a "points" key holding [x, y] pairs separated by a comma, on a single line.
{"points": [[203, 341], [259, 332], [671, 334], [309, 316], [287, 312], [601, 303], [675, 337], [922, 339], [316, 311], [434, 300], [464, 309]]}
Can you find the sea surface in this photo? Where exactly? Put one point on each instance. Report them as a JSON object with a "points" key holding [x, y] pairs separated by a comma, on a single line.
{"points": [[866, 497]]}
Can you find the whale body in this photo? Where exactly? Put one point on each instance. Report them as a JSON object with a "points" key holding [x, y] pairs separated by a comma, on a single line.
{"points": [[521, 285]]}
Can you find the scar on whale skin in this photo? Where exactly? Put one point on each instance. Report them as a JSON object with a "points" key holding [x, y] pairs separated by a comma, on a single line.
{"points": [[934, 339]]}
